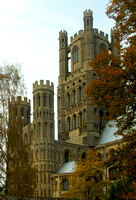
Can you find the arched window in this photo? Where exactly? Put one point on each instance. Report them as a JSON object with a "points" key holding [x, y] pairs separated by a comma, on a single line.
{"points": [[66, 156], [69, 124], [39, 130], [34, 101], [68, 99], [79, 93], [113, 173], [83, 155], [75, 55], [65, 185], [44, 100], [38, 100], [45, 130], [50, 101], [88, 22], [74, 95], [100, 117], [80, 119]]}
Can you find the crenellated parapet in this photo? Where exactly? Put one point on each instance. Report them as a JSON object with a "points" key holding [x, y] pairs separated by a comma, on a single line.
{"points": [[114, 30], [63, 33], [41, 85], [88, 13], [77, 36], [20, 100], [100, 34]]}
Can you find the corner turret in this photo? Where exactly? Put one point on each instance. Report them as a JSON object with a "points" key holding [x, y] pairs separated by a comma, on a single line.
{"points": [[114, 41], [63, 55], [88, 20]]}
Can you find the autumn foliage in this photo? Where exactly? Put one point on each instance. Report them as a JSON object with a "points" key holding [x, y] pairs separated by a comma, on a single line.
{"points": [[87, 180], [115, 89]]}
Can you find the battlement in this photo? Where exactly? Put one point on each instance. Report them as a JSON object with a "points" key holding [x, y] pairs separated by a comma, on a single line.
{"points": [[19, 100], [88, 13], [77, 35], [63, 33], [100, 33], [114, 30], [41, 85]]}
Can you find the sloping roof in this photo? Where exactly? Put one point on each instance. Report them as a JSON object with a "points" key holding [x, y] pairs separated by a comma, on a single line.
{"points": [[108, 133], [68, 167]]}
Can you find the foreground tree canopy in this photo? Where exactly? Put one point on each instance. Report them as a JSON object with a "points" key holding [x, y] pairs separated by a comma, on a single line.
{"points": [[115, 89], [17, 176], [87, 180]]}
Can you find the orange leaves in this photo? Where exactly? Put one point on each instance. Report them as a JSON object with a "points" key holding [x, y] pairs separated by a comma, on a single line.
{"points": [[123, 12], [86, 182]]}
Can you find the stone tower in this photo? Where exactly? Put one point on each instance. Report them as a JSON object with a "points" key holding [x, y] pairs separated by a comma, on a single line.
{"points": [[114, 41], [43, 135], [78, 122], [19, 108]]}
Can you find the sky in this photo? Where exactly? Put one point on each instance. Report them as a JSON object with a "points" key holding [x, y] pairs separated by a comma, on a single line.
{"points": [[29, 32]]}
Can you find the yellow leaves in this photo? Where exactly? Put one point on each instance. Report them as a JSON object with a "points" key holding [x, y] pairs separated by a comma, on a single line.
{"points": [[82, 183]]}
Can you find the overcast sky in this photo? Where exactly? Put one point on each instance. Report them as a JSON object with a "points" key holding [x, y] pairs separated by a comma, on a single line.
{"points": [[29, 32]]}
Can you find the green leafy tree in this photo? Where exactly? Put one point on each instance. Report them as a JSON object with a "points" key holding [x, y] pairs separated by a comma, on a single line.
{"points": [[87, 180]]}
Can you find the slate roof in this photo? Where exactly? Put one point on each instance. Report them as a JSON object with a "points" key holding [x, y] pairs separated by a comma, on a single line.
{"points": [[108, 133], [68, 167]]}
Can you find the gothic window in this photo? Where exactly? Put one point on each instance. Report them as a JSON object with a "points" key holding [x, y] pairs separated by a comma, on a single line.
{"points": [[58, 103], [75, 55], [74, 94], [80, 93], [66, 156], [44, 130], [62, 41], [80, 119], [113, 173], [34, 101], [44, 100], [38, 100], [22, 113], [39, 130], [59, 126], [50, 101], [83, 155], [65, 185], [69, 124], [51, 130], [100, 117], [87, 22], [68, 96], [28, 116]]}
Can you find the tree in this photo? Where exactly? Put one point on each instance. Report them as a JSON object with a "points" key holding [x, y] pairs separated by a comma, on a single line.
{"points": [[21, 175], [17, 174], [11, 84], [122, 189], [115, 88], [87, 180]]}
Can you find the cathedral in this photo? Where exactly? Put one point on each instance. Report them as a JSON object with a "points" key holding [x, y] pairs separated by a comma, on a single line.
{"points": [[80, 125]]}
